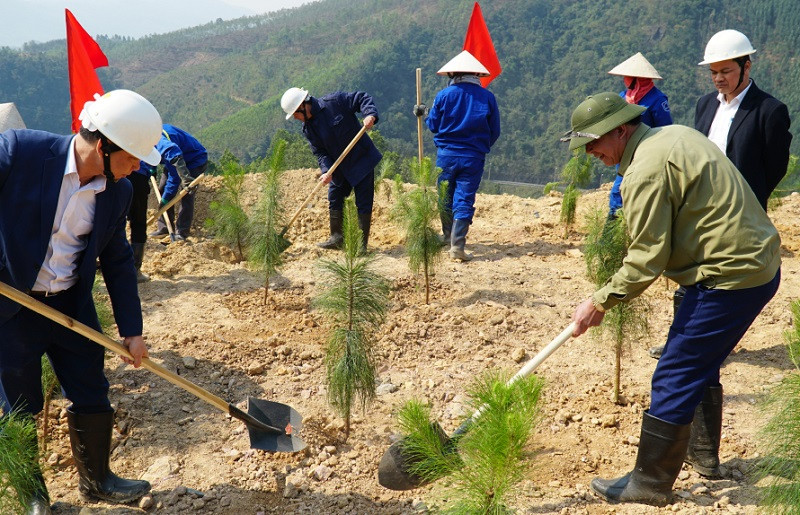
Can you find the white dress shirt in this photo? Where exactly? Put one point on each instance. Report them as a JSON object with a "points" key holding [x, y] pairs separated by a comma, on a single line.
{"points": [[723, 119], [72, 224]]}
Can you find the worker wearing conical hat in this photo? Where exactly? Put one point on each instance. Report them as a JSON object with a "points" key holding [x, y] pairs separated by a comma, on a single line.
{"points": [[638, 75], [465, 123]]}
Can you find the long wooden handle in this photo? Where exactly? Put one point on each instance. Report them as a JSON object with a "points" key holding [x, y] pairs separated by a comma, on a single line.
{"points": [[167, 221], [419, 118], [525, 371], [176, 198], [84, 330], [321, 180]]}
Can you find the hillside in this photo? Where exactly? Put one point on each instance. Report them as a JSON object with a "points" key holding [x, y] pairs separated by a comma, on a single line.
{"points": [[204, 319], [223, 80]]}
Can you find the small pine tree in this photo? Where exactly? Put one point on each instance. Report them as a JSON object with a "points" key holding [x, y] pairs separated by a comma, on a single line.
{"points": [[604, 250], [19, 462], [355, 299], [50, 388], [266, 243], [417, 211], [487, 461], [228, 221], [577, 173], [781, 434], [387, 169]]}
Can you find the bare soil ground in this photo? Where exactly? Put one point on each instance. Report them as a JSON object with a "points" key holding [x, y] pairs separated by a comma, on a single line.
{"points": [[204, 318]]}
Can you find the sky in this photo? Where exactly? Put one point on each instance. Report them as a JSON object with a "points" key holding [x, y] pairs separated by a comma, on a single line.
{"points": [[43, 20]]}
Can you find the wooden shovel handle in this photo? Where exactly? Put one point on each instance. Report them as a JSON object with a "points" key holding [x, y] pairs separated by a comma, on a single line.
{"points": [[100, 338], [176, 198], [525, 371], [327, 174]]}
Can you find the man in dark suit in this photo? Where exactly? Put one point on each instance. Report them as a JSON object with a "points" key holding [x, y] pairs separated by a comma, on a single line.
{"points": [[748, 124], [329, 124], [63, 204]]}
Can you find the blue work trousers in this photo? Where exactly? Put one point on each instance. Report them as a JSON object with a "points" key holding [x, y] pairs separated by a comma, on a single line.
{"points": [[463, 176], [707, 326], [339, 188], [77, 361]]}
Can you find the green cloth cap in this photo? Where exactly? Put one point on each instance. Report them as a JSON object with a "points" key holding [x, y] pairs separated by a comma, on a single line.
{"points": [[597, 115]]}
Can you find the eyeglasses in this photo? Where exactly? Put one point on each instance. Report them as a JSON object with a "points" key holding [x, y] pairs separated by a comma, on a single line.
{"points": [[301, 109], [578, 134]]}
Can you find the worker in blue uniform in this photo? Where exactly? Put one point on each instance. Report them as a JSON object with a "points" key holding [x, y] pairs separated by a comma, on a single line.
{"points": [[63, 202], [465, 122], [184, 159], [638, 74], [329, 125]]}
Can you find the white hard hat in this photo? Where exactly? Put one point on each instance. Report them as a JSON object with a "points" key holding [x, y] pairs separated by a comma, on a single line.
{"points": [[636, 66], [464, 63], [292, 99], [128, 120], [10, 117], [726, 44]]}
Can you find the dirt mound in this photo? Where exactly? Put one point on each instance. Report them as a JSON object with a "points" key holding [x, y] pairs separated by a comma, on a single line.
{"points": [[206, 318]]}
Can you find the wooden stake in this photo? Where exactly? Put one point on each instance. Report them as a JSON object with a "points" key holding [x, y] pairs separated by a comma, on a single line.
{"points": [[419, 118]]}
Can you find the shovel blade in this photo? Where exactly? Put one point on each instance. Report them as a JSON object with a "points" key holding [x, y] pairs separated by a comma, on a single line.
{"points": [[277, 415], [395, 471]]}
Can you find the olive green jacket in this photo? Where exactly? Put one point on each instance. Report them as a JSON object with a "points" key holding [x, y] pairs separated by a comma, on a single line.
{"points": [[691, 217]]}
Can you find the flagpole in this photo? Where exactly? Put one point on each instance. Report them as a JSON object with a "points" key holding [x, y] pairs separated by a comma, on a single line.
{"points": [[419, 118]]}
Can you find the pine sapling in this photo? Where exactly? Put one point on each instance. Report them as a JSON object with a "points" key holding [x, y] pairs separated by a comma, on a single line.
{"points": [[417, 211], [266, 242], [228, 221], [355, 300], [780, 436], [577, 173], [605, 247], [50, 388], [488, 460], [19, 462]]}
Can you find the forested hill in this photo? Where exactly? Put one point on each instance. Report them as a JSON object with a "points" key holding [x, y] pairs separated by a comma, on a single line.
{"points": [[223, 81]]}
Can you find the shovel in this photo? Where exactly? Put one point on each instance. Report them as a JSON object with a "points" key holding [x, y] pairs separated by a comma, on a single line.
{"points": [[167, 221], [394, 471], [272, 426], [176, 198], [321, 182]]}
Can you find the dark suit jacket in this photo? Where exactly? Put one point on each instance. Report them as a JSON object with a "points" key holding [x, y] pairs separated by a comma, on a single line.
{"points": [[31, 171], [333, 125], [758, 142]]}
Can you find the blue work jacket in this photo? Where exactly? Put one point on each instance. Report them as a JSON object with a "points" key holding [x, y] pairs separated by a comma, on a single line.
{"points": [[464, 120]]}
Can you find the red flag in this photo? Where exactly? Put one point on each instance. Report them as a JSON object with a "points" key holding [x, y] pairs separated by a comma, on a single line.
{"points": [[83, 56], [478, 42]]}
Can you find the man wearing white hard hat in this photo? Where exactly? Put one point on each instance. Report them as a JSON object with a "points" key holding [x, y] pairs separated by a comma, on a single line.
{"points": [[465, 123], [748, 124], [63, 206], [329, 125], [638, 75]]}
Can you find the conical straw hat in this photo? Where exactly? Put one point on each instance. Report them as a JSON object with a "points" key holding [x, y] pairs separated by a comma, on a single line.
{"points": [[636, 66], [9, 117], [464, 63]]}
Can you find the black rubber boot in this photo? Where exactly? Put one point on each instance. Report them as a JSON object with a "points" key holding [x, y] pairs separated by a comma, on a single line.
{"points": [[706, 430], [662, 448], [447, 227], [138, 257], [364, 222], [677, 298], [90, 436], [458, 239], [335, 241]]}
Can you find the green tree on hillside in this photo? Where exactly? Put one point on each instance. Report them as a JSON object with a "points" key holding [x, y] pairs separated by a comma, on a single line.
{"points": [[266, 242], [229, 222], [604, 249], [355, 299]]}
